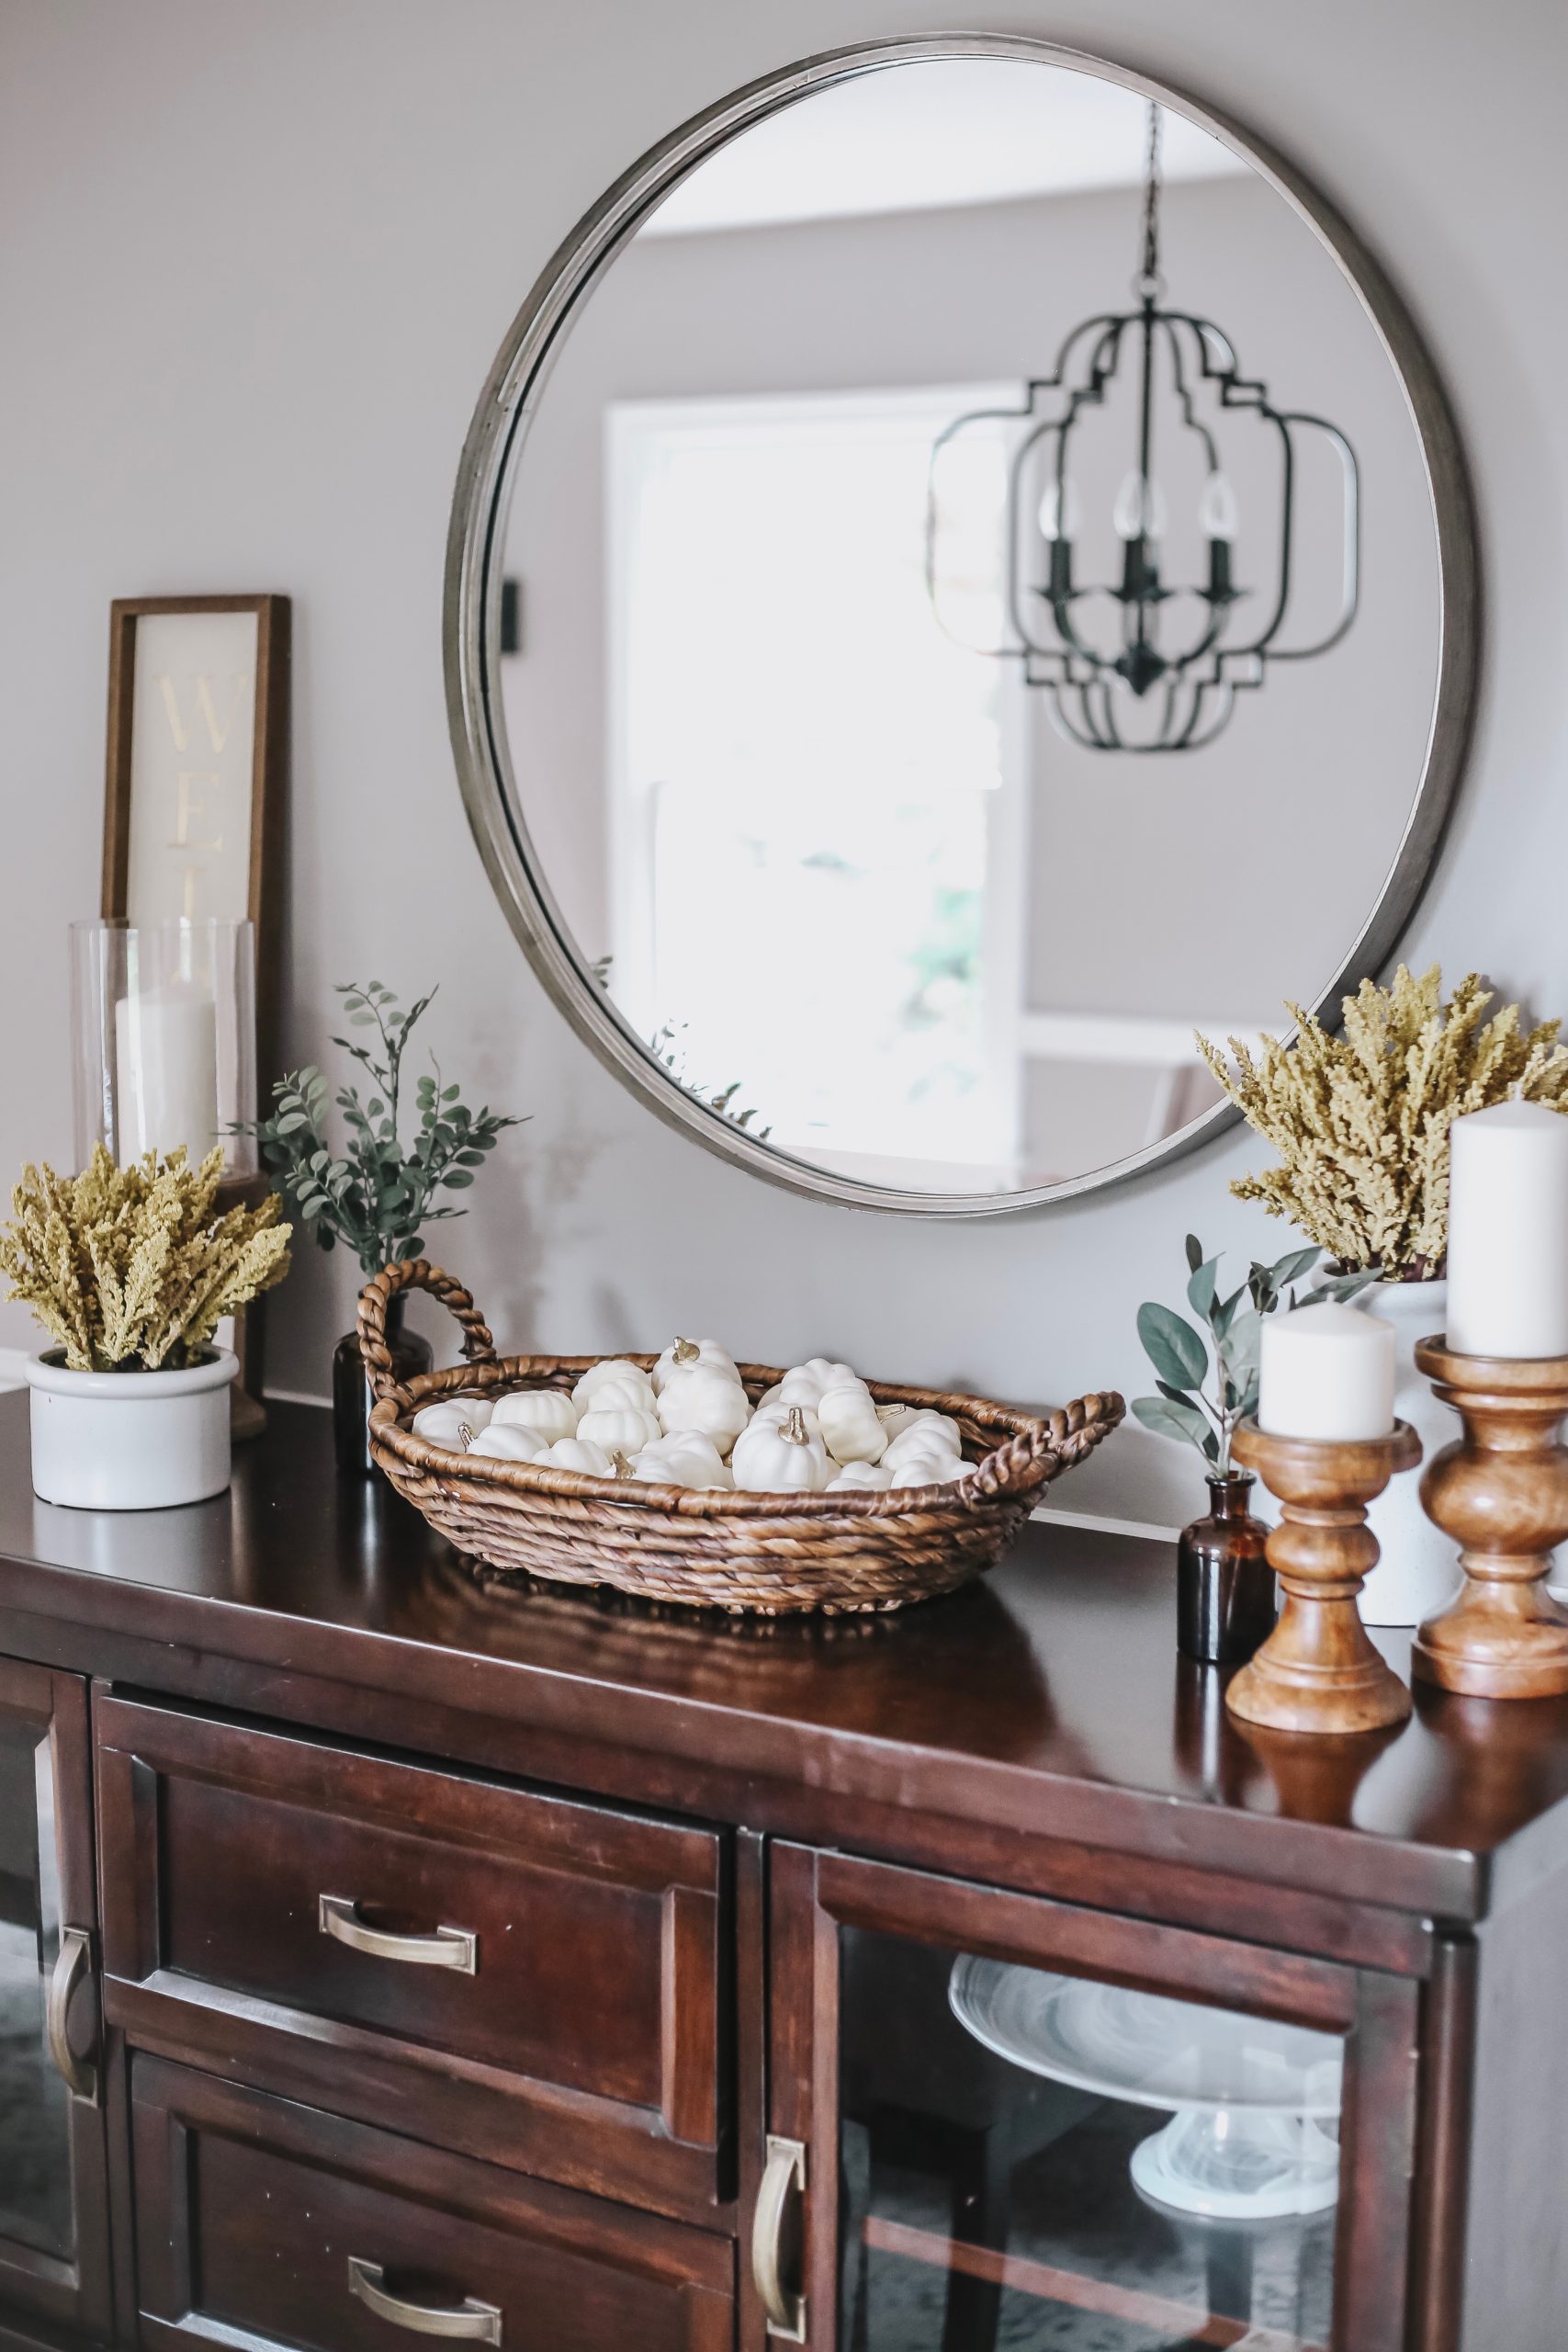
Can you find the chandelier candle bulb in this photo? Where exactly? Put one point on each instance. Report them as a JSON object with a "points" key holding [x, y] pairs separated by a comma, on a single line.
{"points": [[1508, 1232], [1217, 512], [1327, 1373]]}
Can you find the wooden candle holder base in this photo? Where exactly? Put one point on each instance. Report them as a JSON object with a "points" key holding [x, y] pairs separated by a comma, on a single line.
{"points": [[1318, 1670], [1501, 1491]]}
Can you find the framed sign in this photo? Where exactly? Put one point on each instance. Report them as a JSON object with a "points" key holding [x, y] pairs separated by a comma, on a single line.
{"points": [[196, 779], [197, 769]]}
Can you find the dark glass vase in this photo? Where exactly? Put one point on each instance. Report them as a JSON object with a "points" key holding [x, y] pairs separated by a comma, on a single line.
{"points": [[1224, 1587], [352, 1399]]}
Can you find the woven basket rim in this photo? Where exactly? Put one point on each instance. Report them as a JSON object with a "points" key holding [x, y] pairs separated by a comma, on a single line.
{"points": [[511, 1374], [863, 1550]]}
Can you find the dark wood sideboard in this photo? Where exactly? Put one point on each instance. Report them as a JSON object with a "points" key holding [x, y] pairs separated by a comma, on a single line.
{"points": [[431, 1959]]}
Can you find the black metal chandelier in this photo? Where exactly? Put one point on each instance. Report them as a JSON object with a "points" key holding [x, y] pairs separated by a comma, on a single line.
{"points": [[1144, 663]]}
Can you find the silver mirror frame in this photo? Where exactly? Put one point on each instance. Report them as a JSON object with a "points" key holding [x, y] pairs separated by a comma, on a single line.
{"points": [[476, 539]]}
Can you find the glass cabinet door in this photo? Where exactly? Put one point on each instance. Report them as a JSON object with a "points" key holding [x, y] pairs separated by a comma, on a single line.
{"points": [[53, 2259], [1056, 2131]]}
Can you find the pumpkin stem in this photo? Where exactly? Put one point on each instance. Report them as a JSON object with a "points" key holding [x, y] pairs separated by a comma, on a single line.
{"points": [[686, 1351], [795, 1428], [467, 1435], [620, 1465]]}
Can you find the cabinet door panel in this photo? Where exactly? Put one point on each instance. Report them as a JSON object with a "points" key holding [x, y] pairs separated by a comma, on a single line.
{"points": [[53, 2211], [1026, 2125], [262, 2222]]}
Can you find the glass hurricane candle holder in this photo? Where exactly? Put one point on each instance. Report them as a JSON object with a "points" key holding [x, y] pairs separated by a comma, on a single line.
{"points": [[164, 1029]]}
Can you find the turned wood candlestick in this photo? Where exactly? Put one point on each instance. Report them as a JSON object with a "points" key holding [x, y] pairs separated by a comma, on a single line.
{"points": [[1318, 1670], [1501, 1491]]}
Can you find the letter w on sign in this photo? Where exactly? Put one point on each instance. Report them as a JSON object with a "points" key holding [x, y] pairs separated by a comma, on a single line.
{"points": [[219, 732]]}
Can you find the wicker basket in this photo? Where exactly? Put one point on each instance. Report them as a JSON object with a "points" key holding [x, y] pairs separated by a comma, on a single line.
{"points": [[858, 1550]]}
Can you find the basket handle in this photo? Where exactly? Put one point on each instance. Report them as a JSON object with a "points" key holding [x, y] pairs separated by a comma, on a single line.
{"points": [[414, 1273], [1035, 1457]]}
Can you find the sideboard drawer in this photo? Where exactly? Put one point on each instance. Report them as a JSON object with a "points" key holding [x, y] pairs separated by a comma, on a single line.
{"points": [[522, 1976], [259, 2221]]}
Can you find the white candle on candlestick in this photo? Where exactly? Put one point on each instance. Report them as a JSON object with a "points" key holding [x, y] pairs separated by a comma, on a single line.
{"points": [[1508, 1232], [1327, 1371], [166, 1077]]}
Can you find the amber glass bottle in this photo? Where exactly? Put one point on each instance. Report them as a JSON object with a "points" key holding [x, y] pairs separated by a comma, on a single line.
{"points": [[1224, 1589]]}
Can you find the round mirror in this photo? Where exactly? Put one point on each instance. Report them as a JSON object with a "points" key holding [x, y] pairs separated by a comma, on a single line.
{"points": [[962, 576]]}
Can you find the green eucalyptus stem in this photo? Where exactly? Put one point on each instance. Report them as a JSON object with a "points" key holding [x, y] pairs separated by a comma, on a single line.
{"points": [[377, 1194], [1206, 1372]]}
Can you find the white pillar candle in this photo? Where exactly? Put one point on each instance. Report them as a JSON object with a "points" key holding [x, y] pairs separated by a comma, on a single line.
{"points": [[166, 1072], [1327, 1371], [1508, 1232]]}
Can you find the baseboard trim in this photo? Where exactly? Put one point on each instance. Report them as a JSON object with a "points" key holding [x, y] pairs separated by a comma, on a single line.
{"points": [[1099, 1525]]}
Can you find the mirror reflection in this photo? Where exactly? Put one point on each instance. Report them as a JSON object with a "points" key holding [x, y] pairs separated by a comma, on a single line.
{"points": [[972, 616]]}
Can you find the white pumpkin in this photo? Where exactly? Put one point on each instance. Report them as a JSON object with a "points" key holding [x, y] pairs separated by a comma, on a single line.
{"points": [[805, 1383], [682, 1353], [686, 1459], [704, 1397], [627, 1391], [860, 1473], [932, 1466], [852, 1427], [508, 1442], [619, 1429], [778, 1411], [442, 1423], [770, 1396], [608, 1368], [925, 1431], [576, 1454], [550, 1411], [782, 1458]]}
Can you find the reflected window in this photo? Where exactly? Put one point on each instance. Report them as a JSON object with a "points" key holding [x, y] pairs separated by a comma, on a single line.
{"points": [[848, 855]]}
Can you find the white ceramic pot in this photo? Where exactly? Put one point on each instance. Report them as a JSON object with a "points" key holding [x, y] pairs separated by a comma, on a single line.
{"points": [[1418, 1572], [130, 1441]]}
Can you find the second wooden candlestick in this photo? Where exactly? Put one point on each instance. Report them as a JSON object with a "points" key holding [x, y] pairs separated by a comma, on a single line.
{"points": [[1501, 1491]]}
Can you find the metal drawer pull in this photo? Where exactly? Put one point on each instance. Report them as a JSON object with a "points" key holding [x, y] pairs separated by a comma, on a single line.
{"points": [[74, 1959], [480, 2323], [783, 2178], [447, 1948]]}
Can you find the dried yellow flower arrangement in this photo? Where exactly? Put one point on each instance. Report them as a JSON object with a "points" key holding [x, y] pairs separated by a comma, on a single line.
{"points": [[128, 1268], [1360, 1120]]}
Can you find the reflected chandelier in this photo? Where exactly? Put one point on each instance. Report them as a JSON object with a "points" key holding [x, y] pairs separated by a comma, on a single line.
{"points": [[1144, 682]]}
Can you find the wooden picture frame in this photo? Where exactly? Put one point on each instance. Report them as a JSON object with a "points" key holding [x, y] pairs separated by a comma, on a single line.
{"points": [[192, 702], [195, 793]]}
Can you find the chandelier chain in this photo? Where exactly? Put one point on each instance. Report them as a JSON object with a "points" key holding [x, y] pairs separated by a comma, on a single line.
{"points": [[1149, 279]]}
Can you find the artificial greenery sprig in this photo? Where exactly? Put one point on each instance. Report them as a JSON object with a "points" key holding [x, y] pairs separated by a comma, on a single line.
{"points": [[377, 1196], [669, 1045], [1180, 1354], [128, 1268]]}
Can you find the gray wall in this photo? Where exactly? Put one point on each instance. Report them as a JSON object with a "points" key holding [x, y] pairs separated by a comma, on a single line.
{"points": [[254, 262]]}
